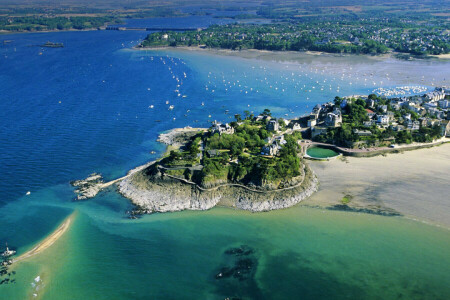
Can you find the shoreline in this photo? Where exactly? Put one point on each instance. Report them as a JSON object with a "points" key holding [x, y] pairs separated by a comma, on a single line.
{"points": [[179, 194], [167, 193], [412, 184], [6, 33], [244, 53], [48, 241]]}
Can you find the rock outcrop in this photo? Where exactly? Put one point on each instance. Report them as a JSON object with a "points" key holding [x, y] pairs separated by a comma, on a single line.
{"points": [[89, 187], [160, 193]]}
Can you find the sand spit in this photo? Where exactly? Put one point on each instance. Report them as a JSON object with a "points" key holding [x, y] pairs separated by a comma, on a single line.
{"points": [[48, 241]]}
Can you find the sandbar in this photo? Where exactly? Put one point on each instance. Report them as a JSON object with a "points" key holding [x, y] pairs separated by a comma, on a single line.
{"points": [[48, 241]]}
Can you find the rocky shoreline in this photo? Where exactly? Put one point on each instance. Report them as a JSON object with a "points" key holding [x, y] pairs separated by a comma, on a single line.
{"points": [[166, 194]]}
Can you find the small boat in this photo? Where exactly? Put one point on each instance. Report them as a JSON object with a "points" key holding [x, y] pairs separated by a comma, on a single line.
{"points": [[52, 45], [171, 107], [7, 252], [28, 193], [151, 106]]}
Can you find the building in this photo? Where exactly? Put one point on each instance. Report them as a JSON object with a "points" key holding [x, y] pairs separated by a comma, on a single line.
{"points": [[383, 119], [362, 132], [370, 113], [368, 123], [221, 128], [312, 122], [272, 125], [444, 104], [294, 125], [412, 125], [271, 149], [316, 111], [445, 127], [333, 119], [370, 102], [436, 95], [398, 128], [280, 140], [390, 115]]}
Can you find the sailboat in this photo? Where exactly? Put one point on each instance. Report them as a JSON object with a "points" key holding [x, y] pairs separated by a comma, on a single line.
{"points": [[7, 252]]}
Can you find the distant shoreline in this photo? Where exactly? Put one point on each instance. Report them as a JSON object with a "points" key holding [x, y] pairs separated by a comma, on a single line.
{"points": [[442, 57], [47, 31]]}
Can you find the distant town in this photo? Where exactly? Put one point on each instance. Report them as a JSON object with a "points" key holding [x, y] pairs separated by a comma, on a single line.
{"points": [[366, 36]]}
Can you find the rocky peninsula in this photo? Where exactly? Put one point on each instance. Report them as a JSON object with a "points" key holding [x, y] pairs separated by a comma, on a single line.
{"points": [[184, 179], [164, 193], [254, 164]]}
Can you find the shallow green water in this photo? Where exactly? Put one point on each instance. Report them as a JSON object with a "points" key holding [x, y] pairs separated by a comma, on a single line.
{"points": [[319, 152], [298, 253]]}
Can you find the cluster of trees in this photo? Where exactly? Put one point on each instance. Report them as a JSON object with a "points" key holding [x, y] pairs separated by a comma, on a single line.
{"points": [[255, 169], [246, 136], [276, 37], [245, 145], [287, 164], [189, 155], [52, 23]]}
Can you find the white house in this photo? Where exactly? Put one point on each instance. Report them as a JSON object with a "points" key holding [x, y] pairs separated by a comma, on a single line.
{"points": [[221, 128], [383, 119]]}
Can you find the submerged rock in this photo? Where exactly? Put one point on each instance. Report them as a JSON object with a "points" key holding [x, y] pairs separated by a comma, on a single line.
{"points": [[244, 266], [240, 251], [375, 210]]}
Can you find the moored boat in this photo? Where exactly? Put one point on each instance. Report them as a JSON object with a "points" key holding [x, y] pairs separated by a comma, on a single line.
{"points": [[8, 252]]}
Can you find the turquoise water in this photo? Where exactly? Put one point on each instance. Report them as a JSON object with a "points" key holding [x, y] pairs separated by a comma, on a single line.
{"points": [[71, 111], [320, 152]]}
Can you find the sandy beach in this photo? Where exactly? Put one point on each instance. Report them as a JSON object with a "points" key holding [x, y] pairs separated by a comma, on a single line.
{"points": [[413, 183], [48, 241]]}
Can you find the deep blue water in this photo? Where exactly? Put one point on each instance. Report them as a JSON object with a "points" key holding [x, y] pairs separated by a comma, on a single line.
{"points": [[67, 112]]}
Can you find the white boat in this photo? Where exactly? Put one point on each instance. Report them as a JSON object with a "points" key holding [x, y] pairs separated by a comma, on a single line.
{"points": [[7, 252], [171, 107]]}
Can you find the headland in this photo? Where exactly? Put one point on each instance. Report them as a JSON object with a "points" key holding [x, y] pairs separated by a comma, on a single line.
{"points": [[257, 163]]}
